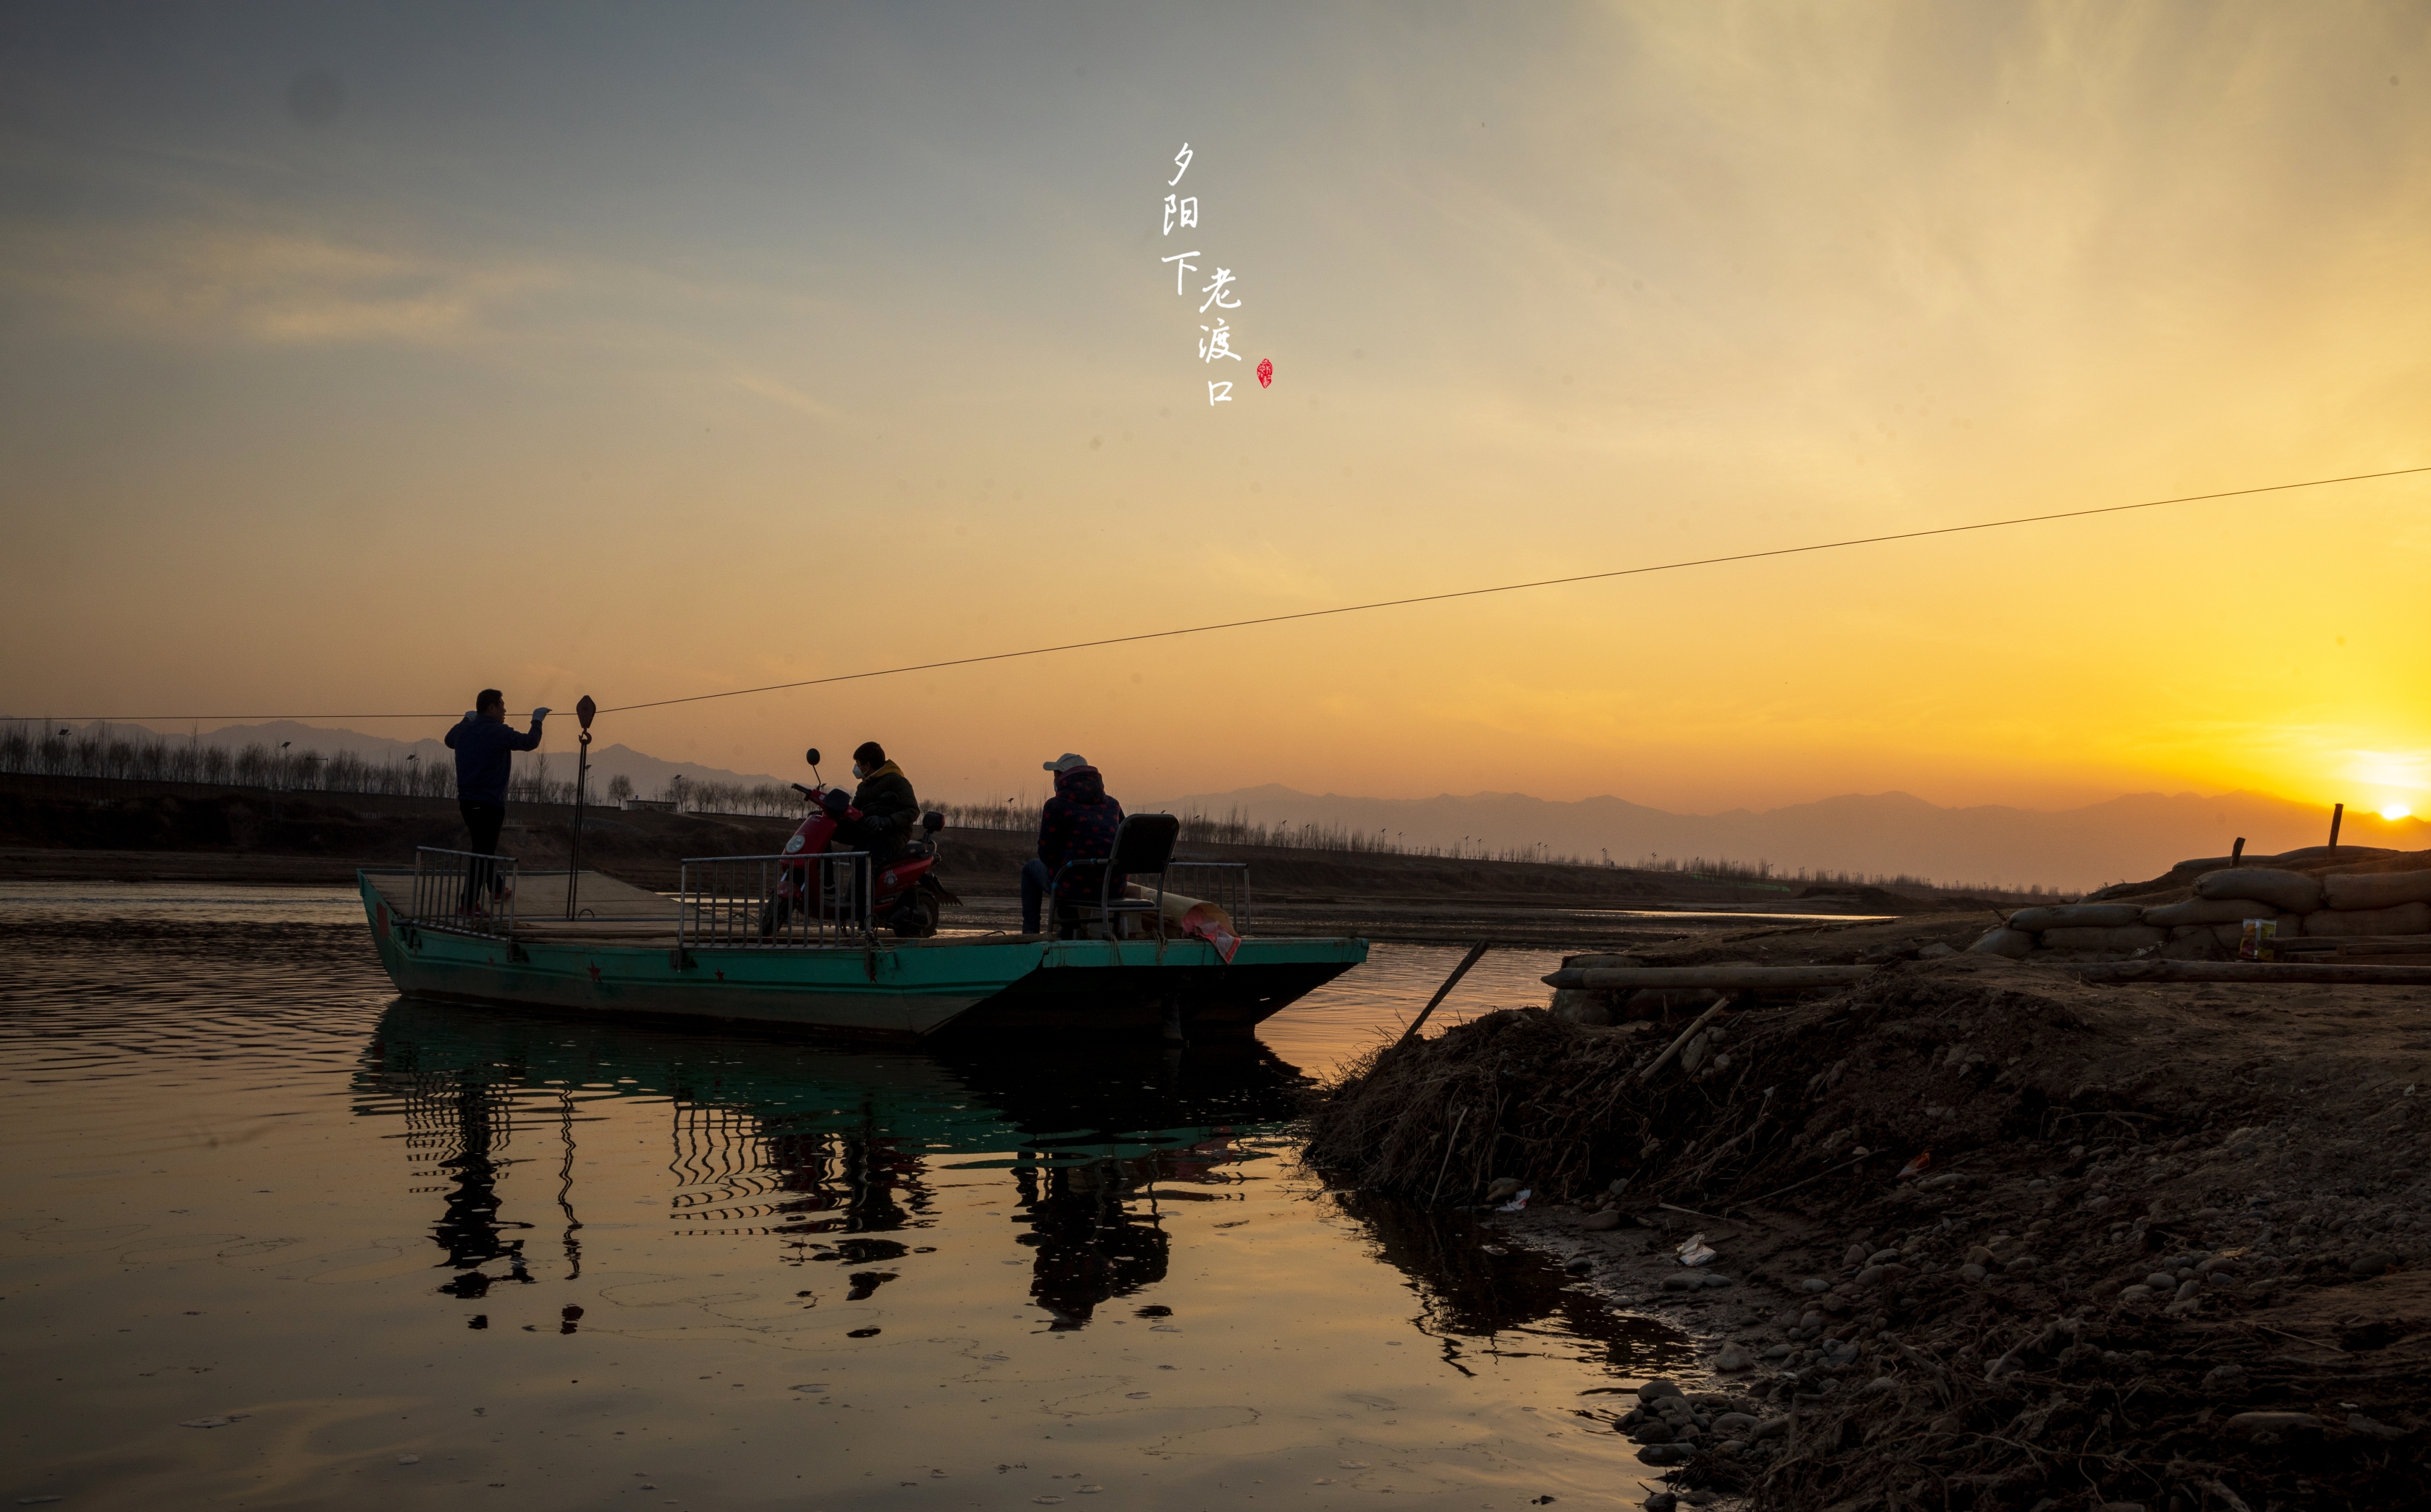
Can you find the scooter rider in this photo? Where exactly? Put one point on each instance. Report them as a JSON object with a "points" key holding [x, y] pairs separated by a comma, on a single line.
{"points": [[890, 811]]}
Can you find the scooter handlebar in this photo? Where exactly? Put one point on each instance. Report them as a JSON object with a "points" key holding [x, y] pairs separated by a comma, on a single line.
{"points": [[804, 791]]}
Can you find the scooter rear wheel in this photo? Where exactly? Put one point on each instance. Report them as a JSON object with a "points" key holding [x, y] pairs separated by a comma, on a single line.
{"points": [[916, 919]]}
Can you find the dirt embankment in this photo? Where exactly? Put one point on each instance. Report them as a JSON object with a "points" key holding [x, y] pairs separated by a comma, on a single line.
{"points": [[2158, 1246]]}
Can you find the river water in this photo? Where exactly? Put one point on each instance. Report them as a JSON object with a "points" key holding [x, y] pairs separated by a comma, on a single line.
{"points": [[275, 1236]]}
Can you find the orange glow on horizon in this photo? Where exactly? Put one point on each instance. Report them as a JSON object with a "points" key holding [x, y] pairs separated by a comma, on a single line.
{"points": [[653, 404]]}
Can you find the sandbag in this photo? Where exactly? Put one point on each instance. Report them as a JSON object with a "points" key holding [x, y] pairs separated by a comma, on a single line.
{"points": [[1578, 1005], [1659, 1002], [2125, 937], [2074, 915], [2206, 910], [2406, 918], [2009, 942], [2375, 889], [2323, 855], [2194, 942], [2291, 925], [2289, 892]]}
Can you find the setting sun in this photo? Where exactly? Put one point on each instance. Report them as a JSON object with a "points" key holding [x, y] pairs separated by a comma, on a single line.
{"points": [[2399, 813]]}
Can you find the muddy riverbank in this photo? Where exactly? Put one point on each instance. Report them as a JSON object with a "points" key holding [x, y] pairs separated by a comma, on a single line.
{"points": [[1986, 1237]]}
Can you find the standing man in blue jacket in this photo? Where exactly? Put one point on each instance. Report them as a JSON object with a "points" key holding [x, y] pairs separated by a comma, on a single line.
{"points": [[483, 745]]}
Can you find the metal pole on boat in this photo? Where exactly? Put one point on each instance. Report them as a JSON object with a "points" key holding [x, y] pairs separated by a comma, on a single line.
{"points": [[583, 712]]}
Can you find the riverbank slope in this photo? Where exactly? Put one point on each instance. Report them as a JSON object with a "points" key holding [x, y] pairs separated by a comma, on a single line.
{"points": [[1988, 1236]]}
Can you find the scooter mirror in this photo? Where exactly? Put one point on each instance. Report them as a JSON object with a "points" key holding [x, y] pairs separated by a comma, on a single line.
{"points": [[812, 756]]}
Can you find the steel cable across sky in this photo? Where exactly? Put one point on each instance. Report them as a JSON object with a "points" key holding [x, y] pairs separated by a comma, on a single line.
{"points": [[1381, 604]]}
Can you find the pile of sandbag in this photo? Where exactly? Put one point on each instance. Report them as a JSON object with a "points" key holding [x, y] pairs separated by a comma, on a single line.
{"points": [[2208, 925]]}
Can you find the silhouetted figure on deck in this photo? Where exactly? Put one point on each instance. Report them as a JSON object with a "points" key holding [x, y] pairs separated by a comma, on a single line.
{"points": [[484, 748], [1078, 824], [890, 811]]}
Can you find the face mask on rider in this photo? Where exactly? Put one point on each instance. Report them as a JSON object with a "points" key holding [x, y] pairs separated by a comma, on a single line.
{"points": [[860, 770]]}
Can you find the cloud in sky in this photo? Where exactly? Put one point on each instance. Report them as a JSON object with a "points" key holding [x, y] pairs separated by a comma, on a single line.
{"points": [[211, 283], [763, 343], [786, 395]]}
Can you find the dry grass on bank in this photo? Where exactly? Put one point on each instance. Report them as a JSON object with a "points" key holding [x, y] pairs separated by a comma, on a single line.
{"points": [[2085, 1138]]}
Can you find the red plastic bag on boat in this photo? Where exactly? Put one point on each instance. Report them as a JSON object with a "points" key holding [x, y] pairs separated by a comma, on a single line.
{"points": [[1205, 923]]}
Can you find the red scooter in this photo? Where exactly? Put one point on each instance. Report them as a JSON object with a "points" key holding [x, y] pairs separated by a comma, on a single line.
{"points": [[905, 893]]}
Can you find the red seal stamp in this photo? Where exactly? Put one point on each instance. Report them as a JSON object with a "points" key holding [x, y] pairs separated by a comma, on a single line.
{"points": [[1266, 373]]}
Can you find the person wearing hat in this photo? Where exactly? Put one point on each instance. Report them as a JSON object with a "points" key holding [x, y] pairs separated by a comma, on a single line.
{"points": [[890, 811], [1078, 824]]}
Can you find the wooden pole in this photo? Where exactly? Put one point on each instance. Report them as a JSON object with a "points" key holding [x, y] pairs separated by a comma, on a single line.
{"points": [[1687, 1034], [1475, 952], [2257, 971], [2338, 816], [1710, 976], [2237, 852], [1446, 1160], [2353, 945]]}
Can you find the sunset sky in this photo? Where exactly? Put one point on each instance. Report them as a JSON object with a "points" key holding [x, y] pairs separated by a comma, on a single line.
{"points": [[355, 358]]}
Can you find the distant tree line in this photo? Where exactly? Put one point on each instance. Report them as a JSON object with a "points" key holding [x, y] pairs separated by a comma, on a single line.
{"points": [[140, 756], [109, 754], [127, 755]]}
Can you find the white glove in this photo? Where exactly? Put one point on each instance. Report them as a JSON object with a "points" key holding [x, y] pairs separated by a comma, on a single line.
{"points": [[539, 714], [472, 713]]}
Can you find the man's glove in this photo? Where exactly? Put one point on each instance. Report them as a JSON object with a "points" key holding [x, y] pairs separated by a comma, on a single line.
{"points": [[471, 715], [878, 824], [539, 714]]}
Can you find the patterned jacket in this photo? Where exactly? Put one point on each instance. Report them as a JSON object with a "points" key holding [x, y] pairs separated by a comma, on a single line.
{"points": [[1079, 824]]}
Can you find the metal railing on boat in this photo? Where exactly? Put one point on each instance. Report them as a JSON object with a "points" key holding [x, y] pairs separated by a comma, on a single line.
{"points": [[1224, 883], [730, 901], [466, 891]]}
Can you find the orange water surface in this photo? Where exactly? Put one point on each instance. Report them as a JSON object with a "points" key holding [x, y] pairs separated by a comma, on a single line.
{"points": [[275, 1236]]}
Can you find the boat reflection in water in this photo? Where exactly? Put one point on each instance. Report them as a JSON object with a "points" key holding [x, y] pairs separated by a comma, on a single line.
{"points": [[832, 1155]]}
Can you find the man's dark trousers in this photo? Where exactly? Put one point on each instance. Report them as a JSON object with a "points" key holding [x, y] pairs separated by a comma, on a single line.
{"points": [[1035, 885], [485, 820]]}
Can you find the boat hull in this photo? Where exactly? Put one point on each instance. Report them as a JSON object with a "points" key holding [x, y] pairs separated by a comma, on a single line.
{"points": [[916, 989]]}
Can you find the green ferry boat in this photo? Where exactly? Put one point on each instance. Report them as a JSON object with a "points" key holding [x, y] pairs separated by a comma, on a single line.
{"points": [[588, 943]]}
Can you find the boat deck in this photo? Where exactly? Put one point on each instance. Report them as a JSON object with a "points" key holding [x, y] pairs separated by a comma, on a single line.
{"points": [[623, 954], [608, 912]]}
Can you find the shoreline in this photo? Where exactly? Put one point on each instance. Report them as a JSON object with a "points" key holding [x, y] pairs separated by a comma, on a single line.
{"points": [[73, 830]]}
